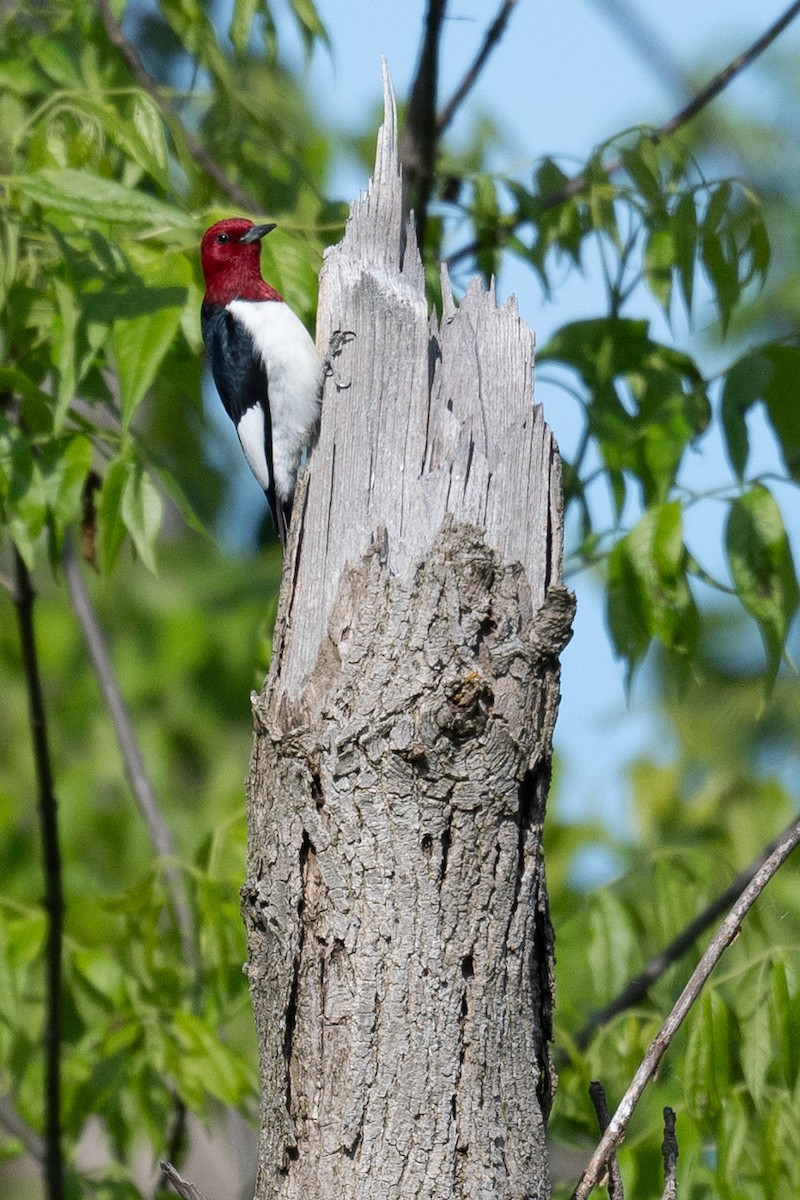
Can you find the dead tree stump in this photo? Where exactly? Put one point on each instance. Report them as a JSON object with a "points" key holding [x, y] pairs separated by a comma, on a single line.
{"points": [[400, 949]]}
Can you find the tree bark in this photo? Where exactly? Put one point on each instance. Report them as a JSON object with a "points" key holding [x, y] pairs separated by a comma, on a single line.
{"points": [[400, 948]]}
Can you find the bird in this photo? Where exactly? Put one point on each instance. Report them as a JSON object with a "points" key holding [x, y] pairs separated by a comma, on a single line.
{"points": [[263, 360]]}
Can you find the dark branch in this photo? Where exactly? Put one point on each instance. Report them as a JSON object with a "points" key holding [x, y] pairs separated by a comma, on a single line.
{"points": [[726, 933], [681, 118], [597, 1094], [196, 149], [53, 883], [637, 990], [493, 35], [419, 142], [135, 770], [669, 1150]]}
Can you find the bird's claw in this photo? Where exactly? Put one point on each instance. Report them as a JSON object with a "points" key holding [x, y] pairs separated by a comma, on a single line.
{"points": [[339, 339]]}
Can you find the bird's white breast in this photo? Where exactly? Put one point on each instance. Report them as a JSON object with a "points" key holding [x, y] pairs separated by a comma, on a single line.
{"points": [[294, 381]]}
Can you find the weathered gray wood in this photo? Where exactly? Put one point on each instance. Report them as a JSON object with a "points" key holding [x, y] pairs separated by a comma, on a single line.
{"points": [[400, 952]]}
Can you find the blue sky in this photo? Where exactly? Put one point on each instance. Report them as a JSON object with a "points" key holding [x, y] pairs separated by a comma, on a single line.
{"points": [[563, 78]]}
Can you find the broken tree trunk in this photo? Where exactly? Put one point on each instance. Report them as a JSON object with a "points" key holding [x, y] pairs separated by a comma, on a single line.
{"points": [[400, 949]]}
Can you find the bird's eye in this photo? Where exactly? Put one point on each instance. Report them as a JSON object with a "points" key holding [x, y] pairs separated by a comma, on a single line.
{"points": [[222, 238]]}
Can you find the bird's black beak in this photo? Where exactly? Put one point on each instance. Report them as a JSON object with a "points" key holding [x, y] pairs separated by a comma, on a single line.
{"points": [[255, 233]]}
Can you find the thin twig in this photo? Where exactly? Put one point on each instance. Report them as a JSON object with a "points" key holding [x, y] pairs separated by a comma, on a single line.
{"points": [[53, 883], [637, 990], [186, 1190], [13, 1124], [196, 149], [669, 1151], [738, 64], [135, 770], [719, 943], [597, 1094], [491, 38], [681, 118]]}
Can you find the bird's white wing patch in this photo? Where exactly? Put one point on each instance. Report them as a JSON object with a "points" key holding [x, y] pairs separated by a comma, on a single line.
{"points": [[251, 435], [294, 374]]}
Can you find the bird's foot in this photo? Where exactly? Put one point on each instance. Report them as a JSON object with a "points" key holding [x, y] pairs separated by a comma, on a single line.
{"points": [[339, 339]]}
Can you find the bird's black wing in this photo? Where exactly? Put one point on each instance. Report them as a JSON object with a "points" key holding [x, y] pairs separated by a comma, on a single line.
{"points": [[241, 381]]}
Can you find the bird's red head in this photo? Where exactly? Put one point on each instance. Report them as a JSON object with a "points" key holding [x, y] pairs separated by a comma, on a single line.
{"points": [[230, 254]]}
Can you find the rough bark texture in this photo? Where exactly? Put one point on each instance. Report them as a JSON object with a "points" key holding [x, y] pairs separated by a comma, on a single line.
{"points": [[400, 950]]}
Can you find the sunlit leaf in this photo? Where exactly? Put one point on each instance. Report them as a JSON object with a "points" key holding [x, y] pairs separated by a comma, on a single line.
{"points": [[141, 510], [96, 199], [762, 568]]}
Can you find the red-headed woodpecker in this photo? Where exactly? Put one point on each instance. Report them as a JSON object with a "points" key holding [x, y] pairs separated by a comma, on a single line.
{"points": [[264, 363]]}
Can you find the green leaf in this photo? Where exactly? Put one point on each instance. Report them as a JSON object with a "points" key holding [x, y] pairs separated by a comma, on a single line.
{"points": [[109, 510], [641, 164], [22, 494], [722, 274], [684, 236], [613, 950], [785, 1012], [9, 256], [659, 258], [486, 214], [65, 328], [782, 398], [65, 463], [55, 60], [753, 1004], [745, 383], [648, 591], [706, 1064], [719, 199], [141, 510], [94, 198], [762, 569], [148, 125], [241, 23], [771, 374], [308, 19], [204, 1066], [141, 341]]}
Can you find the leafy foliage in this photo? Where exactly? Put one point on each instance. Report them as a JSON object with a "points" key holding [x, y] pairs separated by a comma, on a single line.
{"points": [[644, 210], [701, 816], [143, 1028]]}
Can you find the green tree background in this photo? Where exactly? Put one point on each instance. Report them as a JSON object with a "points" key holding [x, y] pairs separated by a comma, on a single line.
{"points": [[119, 144]]}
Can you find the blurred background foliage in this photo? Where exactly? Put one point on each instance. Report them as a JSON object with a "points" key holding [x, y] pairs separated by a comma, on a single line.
{"points": [[119, 144]]}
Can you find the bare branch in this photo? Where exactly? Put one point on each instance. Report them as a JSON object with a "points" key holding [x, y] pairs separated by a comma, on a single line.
{"points": [[196, 149], [53, 883], [186, 1190], [669, 1150], [135, 770], [719, 943], [13, 1123], [637, 990], [492, 37], [597, 1094], [419, 142], [734, 68], [681, 118]]}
